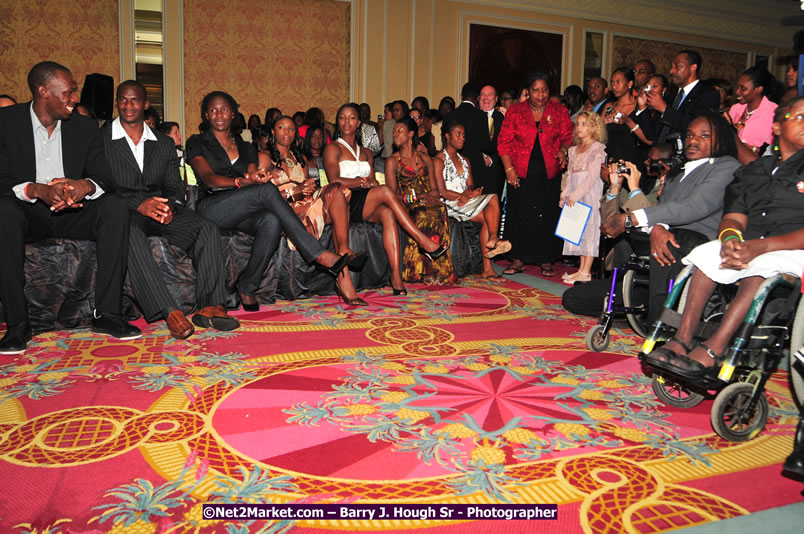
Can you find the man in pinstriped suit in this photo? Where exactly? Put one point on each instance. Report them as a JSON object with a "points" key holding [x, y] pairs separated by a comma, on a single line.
{"points": [[146, 170]]}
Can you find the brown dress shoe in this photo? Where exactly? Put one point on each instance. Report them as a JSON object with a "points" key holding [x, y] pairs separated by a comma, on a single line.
{"points": [[179, 326], [215, 317]]}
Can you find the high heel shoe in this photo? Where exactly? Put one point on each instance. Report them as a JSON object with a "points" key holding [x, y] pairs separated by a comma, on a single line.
{"points": [[437, 253], [357, 301], [398, 292], [336, 268], [249, 302], [357, 260]]}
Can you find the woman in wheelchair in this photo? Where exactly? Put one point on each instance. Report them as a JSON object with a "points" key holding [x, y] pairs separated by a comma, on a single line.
{"points": [[761, 235]]}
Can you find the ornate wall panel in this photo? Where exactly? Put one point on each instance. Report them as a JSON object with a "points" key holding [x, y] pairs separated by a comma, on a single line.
{"points": [[82, 35], [716, 63], [273, 53]]}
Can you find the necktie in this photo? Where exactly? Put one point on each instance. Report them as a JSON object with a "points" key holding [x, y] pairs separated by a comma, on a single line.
{"points": [[676, 104], [491, 126], [679, 99]]}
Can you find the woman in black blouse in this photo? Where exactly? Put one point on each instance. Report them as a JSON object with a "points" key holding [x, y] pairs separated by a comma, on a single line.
{"points": [[760, 235], [237, 196]]}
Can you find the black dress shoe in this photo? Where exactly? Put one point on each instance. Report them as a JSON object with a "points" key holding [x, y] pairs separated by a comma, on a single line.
{"points": [[249, 302], [795, 462], [16, 339]]}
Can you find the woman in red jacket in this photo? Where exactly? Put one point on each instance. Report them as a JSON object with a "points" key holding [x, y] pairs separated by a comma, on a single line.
{"points": [[533, 144]]}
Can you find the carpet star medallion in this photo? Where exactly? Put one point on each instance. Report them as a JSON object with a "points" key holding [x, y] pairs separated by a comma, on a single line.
{"points": [[480, 393]]}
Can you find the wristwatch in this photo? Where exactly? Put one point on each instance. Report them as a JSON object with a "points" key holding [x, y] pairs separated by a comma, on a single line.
{"points": [[628, 224]]}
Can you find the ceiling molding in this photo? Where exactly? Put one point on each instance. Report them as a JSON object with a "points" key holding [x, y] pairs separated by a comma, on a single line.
{"points": [[746, 21]]}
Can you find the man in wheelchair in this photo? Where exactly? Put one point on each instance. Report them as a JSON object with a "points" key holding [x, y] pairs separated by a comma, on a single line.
{"points": [[685, 216], [760, 235]]}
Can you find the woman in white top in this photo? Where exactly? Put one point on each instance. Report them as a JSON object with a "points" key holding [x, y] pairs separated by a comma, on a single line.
{"points": [[351, 165], [454, 178]]}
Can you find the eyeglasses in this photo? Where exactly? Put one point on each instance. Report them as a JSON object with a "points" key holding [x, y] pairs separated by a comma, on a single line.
{"points": [[506, 98], [799, 117]]}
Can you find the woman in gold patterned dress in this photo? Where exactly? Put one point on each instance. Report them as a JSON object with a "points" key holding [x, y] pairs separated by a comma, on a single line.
{"points": [[315, 206], [410, 175]]}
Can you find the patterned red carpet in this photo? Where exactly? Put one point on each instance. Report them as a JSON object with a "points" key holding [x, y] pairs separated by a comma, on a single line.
{"points": [[479, 393]]}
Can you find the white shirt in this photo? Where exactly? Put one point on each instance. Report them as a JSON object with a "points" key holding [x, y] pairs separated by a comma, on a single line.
{"points": [[641, 220], [137, 149], [490, 112], [686, 89], [48, 157]]}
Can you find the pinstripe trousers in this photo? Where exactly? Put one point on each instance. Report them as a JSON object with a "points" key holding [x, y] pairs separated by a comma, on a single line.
{"points": [[197, 236]]}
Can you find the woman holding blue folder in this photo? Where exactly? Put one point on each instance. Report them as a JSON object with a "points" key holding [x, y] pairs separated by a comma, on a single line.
{"points": [[533, 143], [584, 185]]}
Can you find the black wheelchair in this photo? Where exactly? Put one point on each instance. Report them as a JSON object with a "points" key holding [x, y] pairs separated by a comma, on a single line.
{"points": [[774, 323], [633, 277]]}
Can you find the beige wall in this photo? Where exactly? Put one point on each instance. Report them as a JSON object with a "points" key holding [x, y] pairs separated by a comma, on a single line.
{"points": [[392, 48], [83, 38], [290, 54], [405, 48]]}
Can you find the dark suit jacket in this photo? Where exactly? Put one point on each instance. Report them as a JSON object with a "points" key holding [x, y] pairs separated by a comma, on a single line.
{"points": [[703, 97], [159, 177], [495, 175], [476, 125], [81, 149], [696, 203], [603, 105]]}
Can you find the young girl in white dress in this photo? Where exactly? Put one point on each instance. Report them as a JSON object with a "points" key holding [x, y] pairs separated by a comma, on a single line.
{"points": [[454, 178], [584, 185]]}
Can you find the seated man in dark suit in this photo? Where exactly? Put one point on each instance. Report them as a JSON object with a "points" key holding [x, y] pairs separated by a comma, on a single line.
{"points": [[55, 182], [687, 215], [146, 170], [692, 98]]}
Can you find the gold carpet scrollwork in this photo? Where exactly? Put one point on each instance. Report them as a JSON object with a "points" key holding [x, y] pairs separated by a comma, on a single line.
{"points": [[412, 337], [622, 496], [91, 434]]}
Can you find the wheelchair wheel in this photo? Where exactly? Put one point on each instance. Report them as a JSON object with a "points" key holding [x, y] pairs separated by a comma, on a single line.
{"points": [[797, 369], [634, 282], [730, 416], [674, 394], [596, 339]]}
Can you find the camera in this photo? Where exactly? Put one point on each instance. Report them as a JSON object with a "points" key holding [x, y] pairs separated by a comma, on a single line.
{"points": [[677, 159], [647, 88], [622, 169], [654, 165]]}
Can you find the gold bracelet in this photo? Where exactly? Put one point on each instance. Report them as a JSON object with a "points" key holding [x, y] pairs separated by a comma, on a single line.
{"points": [[736, 231], [509, 169]]}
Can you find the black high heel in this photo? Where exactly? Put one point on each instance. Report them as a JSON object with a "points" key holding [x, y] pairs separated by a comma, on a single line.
{"points": [[357, 301], [398, 292], [336, 268], [437, 253], [357, 260]]}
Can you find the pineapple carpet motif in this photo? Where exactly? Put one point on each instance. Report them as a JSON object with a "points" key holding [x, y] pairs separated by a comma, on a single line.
{"points": [[473, 394]]}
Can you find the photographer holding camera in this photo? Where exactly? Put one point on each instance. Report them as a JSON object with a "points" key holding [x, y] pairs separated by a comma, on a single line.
{"points": [[640, 190], [686, 215]]}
